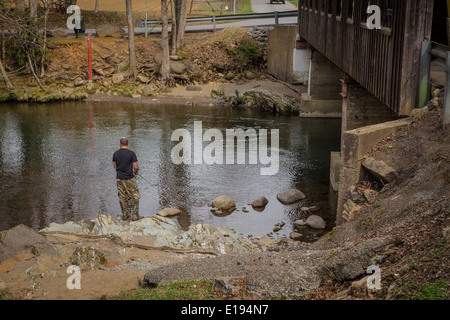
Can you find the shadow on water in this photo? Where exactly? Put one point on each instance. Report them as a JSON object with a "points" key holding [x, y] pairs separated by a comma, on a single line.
{"points": [[56, 165]]}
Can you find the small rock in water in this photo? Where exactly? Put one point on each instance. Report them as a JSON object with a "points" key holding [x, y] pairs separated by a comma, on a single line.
{"points": [[260, 202], [168, 212], [316, 222], [290, 196], [300, 223], [224, 203], [295, 236]]}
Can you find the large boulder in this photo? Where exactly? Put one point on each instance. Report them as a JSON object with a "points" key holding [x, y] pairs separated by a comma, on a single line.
{"points": [[117, 78], [290, 196], [379, 170], [177, 67], [88, 258], [20, 238], [108, 30], [224, 203]]}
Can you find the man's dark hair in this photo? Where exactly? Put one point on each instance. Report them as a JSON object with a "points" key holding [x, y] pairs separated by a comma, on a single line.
{"points": [[124, 142]]}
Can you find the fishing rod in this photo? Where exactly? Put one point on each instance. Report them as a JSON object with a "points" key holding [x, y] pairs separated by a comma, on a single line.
{"points": [[150, 183]]}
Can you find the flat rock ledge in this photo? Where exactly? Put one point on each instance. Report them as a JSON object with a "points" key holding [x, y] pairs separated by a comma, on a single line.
{"points": [[156, 231]]}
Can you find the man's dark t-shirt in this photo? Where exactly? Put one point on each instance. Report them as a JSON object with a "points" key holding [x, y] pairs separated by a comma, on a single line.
{"points": [[124, 160]]}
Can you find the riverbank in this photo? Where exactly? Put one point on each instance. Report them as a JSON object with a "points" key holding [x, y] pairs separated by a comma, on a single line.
{"points": [[213, 67], [401, 227]]}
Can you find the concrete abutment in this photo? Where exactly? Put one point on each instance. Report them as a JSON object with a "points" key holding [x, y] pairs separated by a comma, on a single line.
{"points": [[334, 94]]}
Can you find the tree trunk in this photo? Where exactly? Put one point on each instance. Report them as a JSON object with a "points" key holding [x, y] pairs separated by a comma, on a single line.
{"points": [[3, 57], [181, 22], [5, 76], [45, 36], [131, 45], [96, 5], [33, 10], [20, 5], [165, 64], [33, 72], [173, 34]]}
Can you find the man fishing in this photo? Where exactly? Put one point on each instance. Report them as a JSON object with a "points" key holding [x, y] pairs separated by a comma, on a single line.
{"points": [[125, 163]]}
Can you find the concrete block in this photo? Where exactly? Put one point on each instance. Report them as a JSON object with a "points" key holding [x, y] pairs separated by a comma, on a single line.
{"points": [[356, 143], [320, 108], [280, 50], [335, 170]]}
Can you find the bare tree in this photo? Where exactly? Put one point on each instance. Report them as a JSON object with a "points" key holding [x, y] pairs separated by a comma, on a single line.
{"points": [[27, 42], [131, 44], [5, 76], [165, 63], [47, 9], [181, 16], [173, 35], [20, 4], [33, 10]]}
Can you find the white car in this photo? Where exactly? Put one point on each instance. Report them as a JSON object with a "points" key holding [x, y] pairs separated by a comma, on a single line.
{"points": [[277, 1]]}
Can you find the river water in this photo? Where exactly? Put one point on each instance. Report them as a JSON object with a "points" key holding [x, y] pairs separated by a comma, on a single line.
{"points": [[56, 165]]}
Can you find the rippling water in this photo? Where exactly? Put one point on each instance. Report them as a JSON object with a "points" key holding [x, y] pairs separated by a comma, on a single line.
{"points": [[56, 165]]}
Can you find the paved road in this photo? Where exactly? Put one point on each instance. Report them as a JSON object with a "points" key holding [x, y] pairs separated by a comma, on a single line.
{"points": [[261, 6], [258, 6]]}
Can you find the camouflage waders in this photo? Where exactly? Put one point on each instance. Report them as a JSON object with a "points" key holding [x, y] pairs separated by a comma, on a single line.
{"points": [[129, 198]]}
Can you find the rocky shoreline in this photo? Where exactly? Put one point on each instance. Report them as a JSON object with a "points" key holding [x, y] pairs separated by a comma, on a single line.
{"points": [[400, 225]]}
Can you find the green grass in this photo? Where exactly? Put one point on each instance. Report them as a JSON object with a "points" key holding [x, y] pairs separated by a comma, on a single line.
{"points": [[245, 8], [434, 291], [179, 290], [294, 2]]}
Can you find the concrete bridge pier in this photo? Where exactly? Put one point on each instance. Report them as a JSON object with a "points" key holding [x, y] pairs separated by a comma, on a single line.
{"points": [[360, 108], [323, 98], [365, 122]]}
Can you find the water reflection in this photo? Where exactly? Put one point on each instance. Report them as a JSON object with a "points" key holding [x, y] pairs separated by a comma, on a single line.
{"points": [[56, 164]]}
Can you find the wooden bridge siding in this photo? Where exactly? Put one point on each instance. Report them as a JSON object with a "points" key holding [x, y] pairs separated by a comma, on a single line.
{"points": [[383, 61]]}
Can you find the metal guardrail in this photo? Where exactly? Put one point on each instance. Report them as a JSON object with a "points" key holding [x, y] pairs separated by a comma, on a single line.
{"points": [[213, 19]]}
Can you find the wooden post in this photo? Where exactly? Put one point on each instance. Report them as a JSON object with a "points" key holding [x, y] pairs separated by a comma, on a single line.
{"points": [[447, 93], [425, 67], [448, 23]]}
